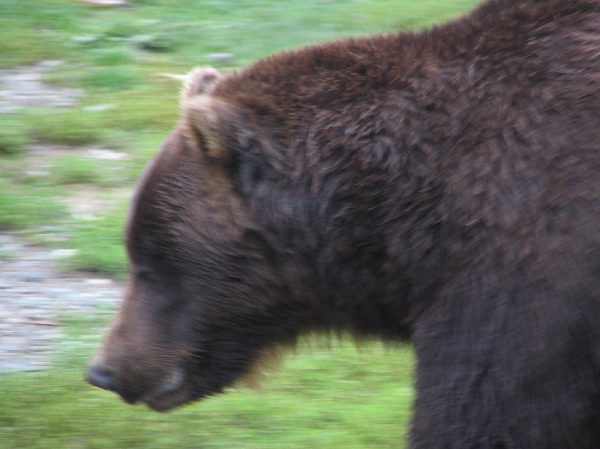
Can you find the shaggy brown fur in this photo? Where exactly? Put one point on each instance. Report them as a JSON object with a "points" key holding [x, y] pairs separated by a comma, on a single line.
{"points": [[442, 187]]}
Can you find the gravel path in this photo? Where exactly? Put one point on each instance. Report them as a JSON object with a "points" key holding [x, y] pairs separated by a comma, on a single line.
{"points": [[25, 87], [35, 297]]}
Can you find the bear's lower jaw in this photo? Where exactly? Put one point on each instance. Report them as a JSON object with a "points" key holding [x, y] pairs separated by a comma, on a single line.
{"points": [[167, 403], [176, 390]]}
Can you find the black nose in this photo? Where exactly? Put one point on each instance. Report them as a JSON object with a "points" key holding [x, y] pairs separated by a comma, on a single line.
{"points": [[101, 377]]}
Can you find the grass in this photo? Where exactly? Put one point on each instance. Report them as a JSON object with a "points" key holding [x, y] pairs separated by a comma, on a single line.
{"points": [[73, 127], [325, 399], [22, 206], [332, 398], [76, 170], [99, 244], [12, 138]]}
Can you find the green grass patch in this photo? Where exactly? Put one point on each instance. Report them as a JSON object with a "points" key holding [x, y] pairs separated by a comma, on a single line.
{"points": [[87, 170], [23, 206], [328, 399], [73, 127], [112, 57], [14, 136], [151, 107], [112, 79], [99, 244], [76, 170], [31, 30]]}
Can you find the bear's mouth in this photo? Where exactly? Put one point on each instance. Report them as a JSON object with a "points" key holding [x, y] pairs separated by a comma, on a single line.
{"points": [[174, 391]]}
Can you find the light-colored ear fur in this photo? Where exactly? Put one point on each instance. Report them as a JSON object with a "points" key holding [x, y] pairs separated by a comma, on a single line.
{"points": [[203, 113], [200, 81], [205, 117]]}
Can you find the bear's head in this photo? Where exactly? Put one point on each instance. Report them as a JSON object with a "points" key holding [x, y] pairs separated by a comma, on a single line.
{"points": [[207, 299]]}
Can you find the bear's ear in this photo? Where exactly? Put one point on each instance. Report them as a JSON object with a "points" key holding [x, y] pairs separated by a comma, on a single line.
{"points": [[201, 80], [215, 126]]}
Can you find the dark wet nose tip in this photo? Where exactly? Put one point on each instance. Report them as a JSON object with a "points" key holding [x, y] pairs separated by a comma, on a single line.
{"points": [[101, 377]]}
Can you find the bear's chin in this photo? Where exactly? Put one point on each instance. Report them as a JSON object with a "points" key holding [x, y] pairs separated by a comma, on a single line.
{"points": [[169, 398], [169, 401], [166, 404], [175, 391]]}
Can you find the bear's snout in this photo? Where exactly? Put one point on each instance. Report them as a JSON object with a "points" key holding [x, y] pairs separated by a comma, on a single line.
{"points": [[101, 377]]}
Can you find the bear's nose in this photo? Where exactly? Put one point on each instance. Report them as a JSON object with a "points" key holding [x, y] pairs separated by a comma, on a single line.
{"points": [[101, 377]]}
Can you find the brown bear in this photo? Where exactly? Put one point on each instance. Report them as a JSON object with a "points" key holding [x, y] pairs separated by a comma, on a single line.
{"points": [[441, 187]]}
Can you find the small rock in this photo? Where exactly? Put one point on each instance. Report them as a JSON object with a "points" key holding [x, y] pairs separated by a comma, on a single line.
{"points": [[221, 57], [108, 155], [105, 3], [85, 39], [36, 173], [99, 281], [63, 253], [100, 107]]}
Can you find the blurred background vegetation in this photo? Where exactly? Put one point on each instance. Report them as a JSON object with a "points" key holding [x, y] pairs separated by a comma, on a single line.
{"points": [[68, 165]]}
